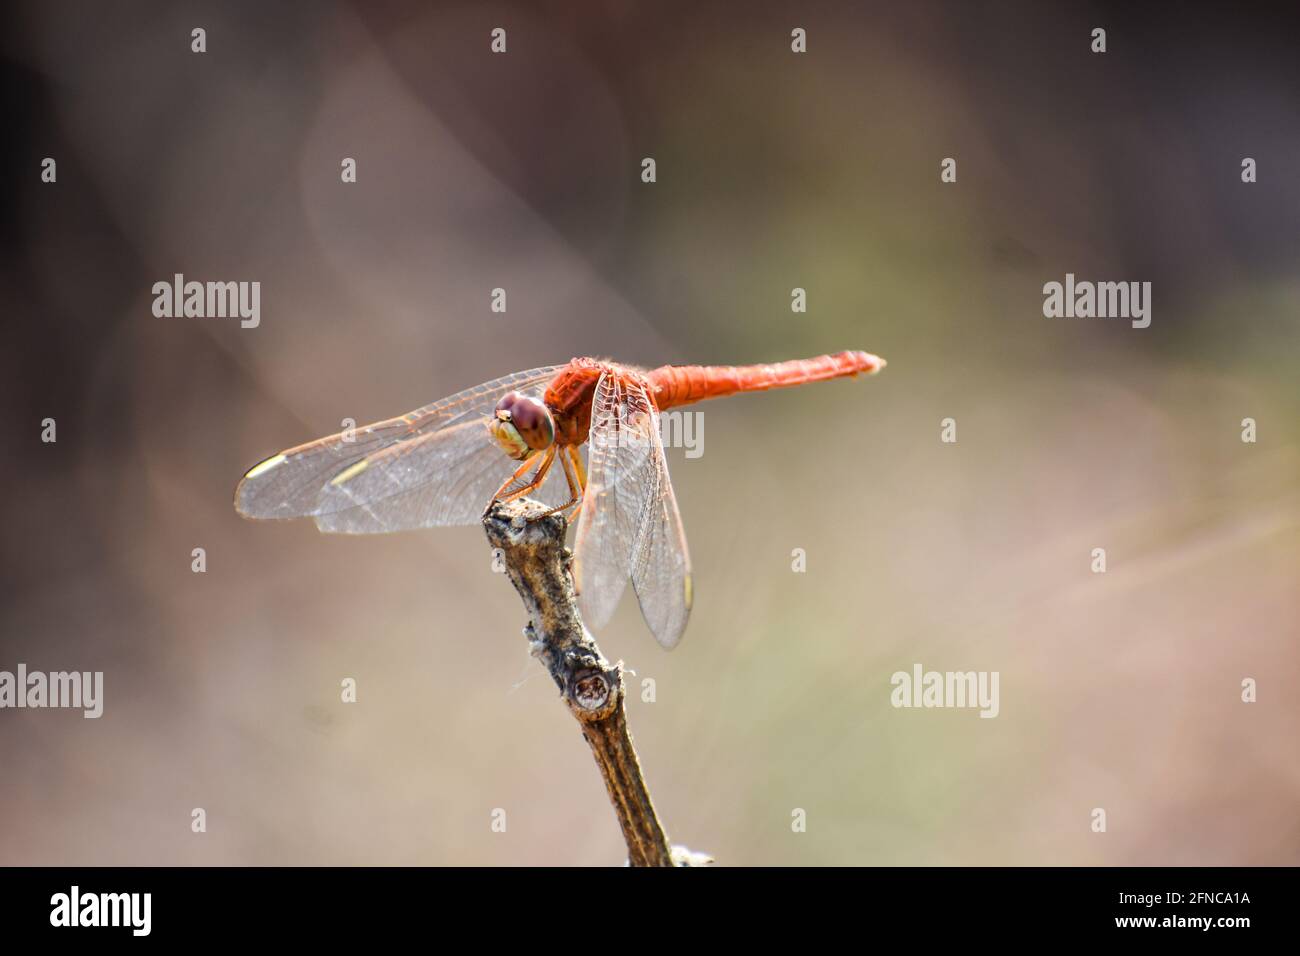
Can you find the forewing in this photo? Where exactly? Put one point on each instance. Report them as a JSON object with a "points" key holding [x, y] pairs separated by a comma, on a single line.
{"points": [[445, 478], [428, 467]]}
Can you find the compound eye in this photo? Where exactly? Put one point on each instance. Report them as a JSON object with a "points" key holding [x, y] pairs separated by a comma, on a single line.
{"points": [[530, 417]]}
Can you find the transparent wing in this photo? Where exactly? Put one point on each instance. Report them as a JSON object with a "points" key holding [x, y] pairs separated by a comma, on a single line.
{"points": [[437, 465], [629, 526], [611, 506], [446, 478], [661, 569]]}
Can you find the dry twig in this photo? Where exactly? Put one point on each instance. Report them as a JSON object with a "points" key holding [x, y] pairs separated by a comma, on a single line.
{"points": [[538, 564]]}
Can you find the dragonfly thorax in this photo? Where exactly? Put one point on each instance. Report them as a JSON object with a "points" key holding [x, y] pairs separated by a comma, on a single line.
{"points": [[522, 425]]}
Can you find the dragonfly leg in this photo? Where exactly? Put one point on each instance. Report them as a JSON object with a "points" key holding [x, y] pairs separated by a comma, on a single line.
{"points": [[576, 457], [573, 473], [504, 495], [528, 463]]}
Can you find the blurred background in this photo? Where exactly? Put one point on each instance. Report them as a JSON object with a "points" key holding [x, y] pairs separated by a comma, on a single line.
{"points": [[775, 170]]}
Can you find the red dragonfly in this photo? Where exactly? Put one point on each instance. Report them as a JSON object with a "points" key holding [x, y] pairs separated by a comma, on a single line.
{"points": [[439, 465]]}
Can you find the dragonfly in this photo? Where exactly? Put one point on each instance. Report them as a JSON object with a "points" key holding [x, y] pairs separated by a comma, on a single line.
{"points": [[451, 462]]}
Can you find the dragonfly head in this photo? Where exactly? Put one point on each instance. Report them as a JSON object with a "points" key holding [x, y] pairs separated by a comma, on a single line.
{"points": [[522, 425]]}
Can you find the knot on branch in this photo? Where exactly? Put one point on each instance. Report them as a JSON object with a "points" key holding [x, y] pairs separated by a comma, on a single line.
{"points": [[596, 693]]}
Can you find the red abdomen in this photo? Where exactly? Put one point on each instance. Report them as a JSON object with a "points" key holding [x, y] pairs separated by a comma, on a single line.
{"points": [[677, 385]]}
